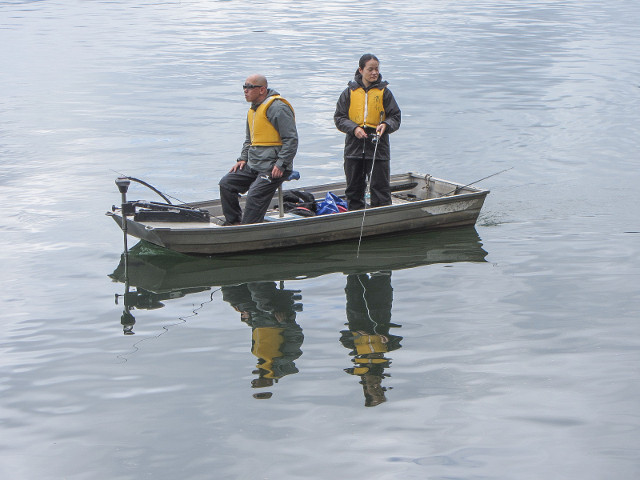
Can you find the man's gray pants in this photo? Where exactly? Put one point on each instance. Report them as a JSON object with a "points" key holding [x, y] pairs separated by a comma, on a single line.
{"points": [[259, 187]]}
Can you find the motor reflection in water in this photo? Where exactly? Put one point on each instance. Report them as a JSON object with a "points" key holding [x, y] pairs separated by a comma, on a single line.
{"points": [[276, 338], [143, 299], [369, 300], [253, 284]]}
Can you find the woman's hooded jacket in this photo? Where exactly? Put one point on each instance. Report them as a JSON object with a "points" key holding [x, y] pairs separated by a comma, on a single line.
{"points": [[353, 146]]}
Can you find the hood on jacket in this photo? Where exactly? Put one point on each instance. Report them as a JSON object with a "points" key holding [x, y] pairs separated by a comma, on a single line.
{"points": [[357, 82], [270, 93]]}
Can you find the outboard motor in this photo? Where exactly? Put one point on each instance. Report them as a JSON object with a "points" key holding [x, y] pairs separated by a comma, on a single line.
{"points": [[126, 208]]}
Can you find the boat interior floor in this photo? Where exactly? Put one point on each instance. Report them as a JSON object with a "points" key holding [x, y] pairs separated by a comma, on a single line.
{"points": [[274, 215]]}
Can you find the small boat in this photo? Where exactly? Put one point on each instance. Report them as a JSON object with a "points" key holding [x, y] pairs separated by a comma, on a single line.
{"points": [[420, 202]]}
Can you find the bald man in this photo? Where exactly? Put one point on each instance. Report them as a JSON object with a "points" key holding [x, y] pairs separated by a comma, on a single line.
{"points": [[266, 159]]}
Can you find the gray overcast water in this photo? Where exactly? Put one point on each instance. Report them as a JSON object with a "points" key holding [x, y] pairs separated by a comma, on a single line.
{"points": [[512, 349]]}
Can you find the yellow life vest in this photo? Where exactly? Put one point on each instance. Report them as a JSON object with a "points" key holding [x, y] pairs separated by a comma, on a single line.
{"points": [[267, 342], [360, 371], [366, 344], [370, 361], [262, 132], [365, 107]]}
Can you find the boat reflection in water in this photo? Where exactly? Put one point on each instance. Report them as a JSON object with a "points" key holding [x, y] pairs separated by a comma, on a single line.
{"points": [[276, 338], [253, 284]]}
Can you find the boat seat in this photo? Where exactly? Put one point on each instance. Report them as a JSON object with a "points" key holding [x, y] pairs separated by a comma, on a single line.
{"points": [[294, 175]]}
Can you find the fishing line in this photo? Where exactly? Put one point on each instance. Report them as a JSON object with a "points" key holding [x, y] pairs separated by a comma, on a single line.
{"points": [[367, 191], [376, 139], [366, 303], [195, 310], [135, 347]]}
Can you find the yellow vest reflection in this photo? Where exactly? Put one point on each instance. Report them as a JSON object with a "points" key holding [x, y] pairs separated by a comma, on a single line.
{"points": [[276, 337]]}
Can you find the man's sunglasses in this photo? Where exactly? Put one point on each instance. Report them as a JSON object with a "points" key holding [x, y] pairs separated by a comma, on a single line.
{"points": [[248, 86]]}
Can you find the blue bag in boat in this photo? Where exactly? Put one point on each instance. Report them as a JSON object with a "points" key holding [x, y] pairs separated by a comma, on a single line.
{"points": [[331, 204]]}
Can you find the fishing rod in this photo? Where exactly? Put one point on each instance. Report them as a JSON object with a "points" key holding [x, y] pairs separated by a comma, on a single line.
{"points": [[376, 141], [457, 189]]}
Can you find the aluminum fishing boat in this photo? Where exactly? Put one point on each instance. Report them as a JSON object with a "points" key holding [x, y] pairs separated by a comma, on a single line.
{"points": [[420, 202]]}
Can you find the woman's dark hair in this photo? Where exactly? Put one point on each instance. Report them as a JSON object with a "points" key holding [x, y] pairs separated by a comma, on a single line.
{"points": [[364, 59]]}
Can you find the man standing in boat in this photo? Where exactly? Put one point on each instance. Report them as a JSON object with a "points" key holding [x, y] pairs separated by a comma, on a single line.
{"points": [[267, 154]]}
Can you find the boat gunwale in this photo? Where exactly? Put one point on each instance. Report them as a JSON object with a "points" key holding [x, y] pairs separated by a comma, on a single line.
{"points": [[268, 225]]}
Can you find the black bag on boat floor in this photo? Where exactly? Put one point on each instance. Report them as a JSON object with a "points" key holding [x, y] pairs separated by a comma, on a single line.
{"points": [[303, 202]]}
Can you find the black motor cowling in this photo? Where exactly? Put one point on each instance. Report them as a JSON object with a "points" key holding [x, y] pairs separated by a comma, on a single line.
{"points": [[143, 211]]}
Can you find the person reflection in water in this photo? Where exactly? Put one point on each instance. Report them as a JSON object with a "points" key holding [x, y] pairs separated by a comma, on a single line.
{"points": [[369, 299], [276, 337]]}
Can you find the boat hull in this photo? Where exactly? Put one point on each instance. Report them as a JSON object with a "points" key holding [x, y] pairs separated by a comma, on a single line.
{"points": [[441, 211]]}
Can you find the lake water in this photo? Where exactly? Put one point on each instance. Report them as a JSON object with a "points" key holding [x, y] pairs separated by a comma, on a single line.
{"points": [[506, 351]]}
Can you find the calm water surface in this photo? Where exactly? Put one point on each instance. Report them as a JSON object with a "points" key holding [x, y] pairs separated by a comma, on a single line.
{"points": [[505, 351]]}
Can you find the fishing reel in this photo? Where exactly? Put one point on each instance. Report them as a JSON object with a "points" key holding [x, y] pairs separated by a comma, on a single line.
{"points": [[372, 135]]}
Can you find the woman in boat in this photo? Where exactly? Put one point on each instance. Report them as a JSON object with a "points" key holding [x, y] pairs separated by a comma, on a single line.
{"points": [[367, 113]]}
